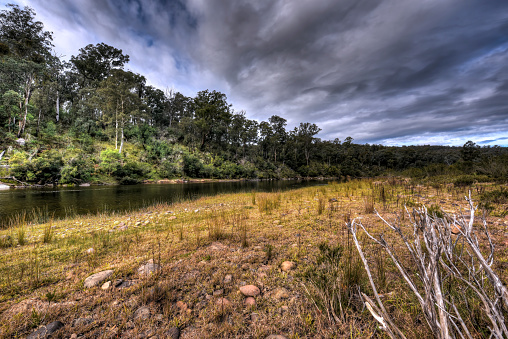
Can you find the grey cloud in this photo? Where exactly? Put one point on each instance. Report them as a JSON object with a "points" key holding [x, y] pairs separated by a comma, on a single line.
{"points": [[388, 71]]}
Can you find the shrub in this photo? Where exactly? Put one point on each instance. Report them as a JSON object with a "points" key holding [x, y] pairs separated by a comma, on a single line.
{"points": [[110, 161]]}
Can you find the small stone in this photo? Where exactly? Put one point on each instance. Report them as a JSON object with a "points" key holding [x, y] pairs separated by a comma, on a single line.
{"points": [[46, 331], [284, 308], [456, 229], [74, 336], [223, 302], [276, 336], [159, 317], [249, 301], [148, 268], [181, 305], [142, 313], [91, 250], [106, 285], [280, 293], [218, 292], [287, 266], [245, 267], [97, 278], [172, 217], [81, 322], [254, 316], [173, 333], [228, 278], [250, 290]]}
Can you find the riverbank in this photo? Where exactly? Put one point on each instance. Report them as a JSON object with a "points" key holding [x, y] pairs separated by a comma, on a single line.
{"points": [[228, 266]]}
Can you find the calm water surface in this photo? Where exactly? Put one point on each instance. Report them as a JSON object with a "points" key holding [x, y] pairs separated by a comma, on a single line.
{"points": [[66, 201]]}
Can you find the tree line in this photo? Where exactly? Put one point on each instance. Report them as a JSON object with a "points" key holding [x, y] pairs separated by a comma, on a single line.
{"points": [[70, 122]]}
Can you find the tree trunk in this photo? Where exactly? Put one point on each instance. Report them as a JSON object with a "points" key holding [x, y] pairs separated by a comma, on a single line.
{"points": [[39, 123], [57, 106]]}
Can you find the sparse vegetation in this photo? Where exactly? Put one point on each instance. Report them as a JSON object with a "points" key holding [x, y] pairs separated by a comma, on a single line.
{"points": [[201, 242]]}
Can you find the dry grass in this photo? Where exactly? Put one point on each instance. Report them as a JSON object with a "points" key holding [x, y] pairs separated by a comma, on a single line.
{"points": [[199, 243]]}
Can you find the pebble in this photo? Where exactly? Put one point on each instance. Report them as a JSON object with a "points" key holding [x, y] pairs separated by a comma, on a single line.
{"points": [[106, 285], [148, 268], [97, 278], [250, 290], [280, 293], [223, 302], [218, 292], [228, 278], [181, 305], [249, 301], [173, 333], [91, 250], [287, 266], [276, 336], [142, 313], [254, 316], [46, 331]]}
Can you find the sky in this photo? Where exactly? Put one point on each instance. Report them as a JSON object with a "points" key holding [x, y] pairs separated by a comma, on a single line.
{"points": [[393, 72]]}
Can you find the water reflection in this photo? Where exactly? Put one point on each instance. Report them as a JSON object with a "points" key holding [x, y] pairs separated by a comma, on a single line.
{"points": [[62, 202]]}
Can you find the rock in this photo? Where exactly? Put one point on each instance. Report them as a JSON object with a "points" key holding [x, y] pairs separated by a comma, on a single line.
{"points": [[21, 141], [254, 316], [173, 333], [172, 217], [287, 266], [91, 250], [97, 278], [142, 313], [148, 268], [456, 229], [181, 305], [74, 336], [250, 290], [249, 301], [276, 336], [223, 302], [106, 285], [284, 308], [81, 322], [125, 283], [218, 292], [46, 331], [279, 293], [228, 278]]}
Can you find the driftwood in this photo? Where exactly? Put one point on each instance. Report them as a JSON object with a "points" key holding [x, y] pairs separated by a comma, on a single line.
{"points": [[438, 254]]}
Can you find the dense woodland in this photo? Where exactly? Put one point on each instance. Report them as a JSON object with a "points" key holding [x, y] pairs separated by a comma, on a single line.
{"points": [[92, 120]]}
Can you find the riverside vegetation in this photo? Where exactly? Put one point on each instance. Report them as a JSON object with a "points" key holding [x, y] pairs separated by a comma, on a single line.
{"points": [[245, 265], [91, 121]]}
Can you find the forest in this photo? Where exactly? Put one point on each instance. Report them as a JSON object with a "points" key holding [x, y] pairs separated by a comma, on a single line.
{"points": [[91, 120]]}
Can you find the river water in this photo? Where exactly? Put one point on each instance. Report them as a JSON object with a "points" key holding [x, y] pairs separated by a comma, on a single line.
{"points": [[69, 201]]}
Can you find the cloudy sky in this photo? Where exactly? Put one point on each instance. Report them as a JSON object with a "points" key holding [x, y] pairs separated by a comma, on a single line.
{"points": [[395, 72]]}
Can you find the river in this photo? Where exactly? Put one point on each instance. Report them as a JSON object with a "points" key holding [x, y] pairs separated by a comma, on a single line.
{"points": [[68, 201]]}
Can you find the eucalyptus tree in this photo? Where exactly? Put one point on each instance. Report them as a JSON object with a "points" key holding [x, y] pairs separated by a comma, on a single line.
{"points": [[95, 62], [120, 101], [212, 116], [26, 51]]}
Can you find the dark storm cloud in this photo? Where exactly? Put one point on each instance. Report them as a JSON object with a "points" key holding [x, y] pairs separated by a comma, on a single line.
{"points": [[391, 71]]}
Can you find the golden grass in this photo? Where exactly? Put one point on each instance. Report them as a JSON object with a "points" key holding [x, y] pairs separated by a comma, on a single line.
{"points": [[197, 244]]}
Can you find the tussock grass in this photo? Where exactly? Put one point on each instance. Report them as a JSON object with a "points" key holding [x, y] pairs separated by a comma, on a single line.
{"points": [[197, 243]]}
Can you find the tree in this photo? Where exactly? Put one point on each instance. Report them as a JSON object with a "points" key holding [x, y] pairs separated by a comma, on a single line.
{"points": [[95, 63], [212, 117], [27, 50], [120, 102], [24, 37], [305, 138], [470, 151]]}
